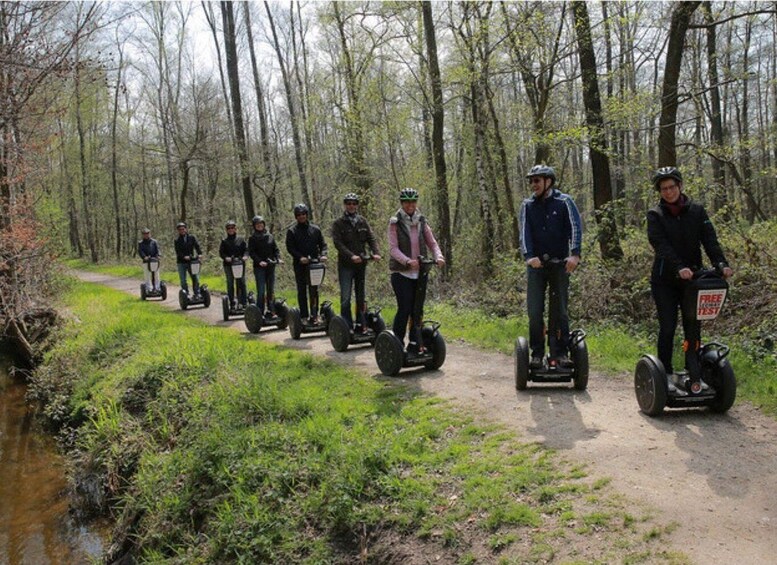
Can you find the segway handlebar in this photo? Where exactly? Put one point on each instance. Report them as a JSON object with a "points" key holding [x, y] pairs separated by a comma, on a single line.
{"points": [[547, 260], [710, 272]]}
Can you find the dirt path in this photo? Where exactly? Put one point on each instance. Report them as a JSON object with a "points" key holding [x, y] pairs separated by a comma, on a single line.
{"points": [[714, 475]]}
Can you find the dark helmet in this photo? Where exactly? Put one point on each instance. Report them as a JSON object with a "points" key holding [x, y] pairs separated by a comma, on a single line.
{"points": [[230, 224], [350, 197], [408, 195], [145, 230], [542, 171], [300, 209], [257, 220], [180, 225], [666, 173]]}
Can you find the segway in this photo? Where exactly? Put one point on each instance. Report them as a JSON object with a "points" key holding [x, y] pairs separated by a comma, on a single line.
{"points": [[153, 266], [712, 382], [391, 357], [551, 371], [256, 319], [342, 335], [202, 298], [298, 326], [235, 309]]}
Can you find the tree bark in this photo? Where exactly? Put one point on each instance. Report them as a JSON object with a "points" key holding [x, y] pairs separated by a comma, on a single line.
{"points": [[667, 126], [597, 140]]}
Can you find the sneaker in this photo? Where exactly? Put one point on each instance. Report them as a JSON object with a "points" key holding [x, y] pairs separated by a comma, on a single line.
{"points": [[564, 362], [536, 363]]}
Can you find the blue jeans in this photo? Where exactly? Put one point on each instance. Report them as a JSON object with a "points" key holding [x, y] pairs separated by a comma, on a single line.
{"points": [[555, 278], [406, 291], [241, 286], [265, 282], [183, 270], [350, 276]]}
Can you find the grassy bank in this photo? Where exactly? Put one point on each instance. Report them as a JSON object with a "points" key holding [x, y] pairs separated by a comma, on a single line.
{"points": [[613, 349], [209, 447]]}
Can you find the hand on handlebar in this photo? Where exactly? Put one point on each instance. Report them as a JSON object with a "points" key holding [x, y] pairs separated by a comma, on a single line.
{"points": [[571, 263], [304, 260], [322, 259], [356, 259], [187, 257], [440, 262], [413, 263], [228, 259], [263, 264], [375, 257], [727, 272], [686, 274], [534, 263]]}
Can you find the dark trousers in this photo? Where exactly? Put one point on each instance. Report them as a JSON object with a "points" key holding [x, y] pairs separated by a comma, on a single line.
{"points": [[241, 286], [183, 270], [304, 289], [408, 307], [554, 278], [352, 276], [265, 286], [668, 298]]}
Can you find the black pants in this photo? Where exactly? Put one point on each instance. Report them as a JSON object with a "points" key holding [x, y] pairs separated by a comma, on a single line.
{"points": [[668, 298], [408, 306], [303, 290]]}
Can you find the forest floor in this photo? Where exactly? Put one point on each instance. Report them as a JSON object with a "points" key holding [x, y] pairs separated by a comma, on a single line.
{"points": [[711, 474]]}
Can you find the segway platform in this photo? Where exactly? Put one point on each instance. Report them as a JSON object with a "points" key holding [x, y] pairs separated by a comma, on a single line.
{"points": [[577, 373]]}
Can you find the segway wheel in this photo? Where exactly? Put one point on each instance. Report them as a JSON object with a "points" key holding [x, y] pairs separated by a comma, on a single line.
{"points": [[225, 307], [434, 342], [339, 333], [282, 311], [650, 385], [294, 321], [205, 297], [580, 359], [725, 387], [388, 353], [183, 299], [521, 362], [253, 318], [142, 291], [163, 289]]}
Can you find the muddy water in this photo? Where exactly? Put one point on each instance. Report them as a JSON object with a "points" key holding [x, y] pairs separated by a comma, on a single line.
{"points": [[34, 524]]}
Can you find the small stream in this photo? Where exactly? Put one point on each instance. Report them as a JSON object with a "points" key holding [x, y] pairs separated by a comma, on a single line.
{"points": [[35, 527]]}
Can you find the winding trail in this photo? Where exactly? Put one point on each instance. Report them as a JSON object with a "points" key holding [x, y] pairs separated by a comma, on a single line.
{"points": [[715, 475]]}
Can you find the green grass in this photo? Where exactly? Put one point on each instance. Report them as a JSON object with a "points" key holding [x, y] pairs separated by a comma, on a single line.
{"points": [[613, 349], [211, 447]]}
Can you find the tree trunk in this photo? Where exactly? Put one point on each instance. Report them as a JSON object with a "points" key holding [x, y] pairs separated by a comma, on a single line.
{"points": [[681, 16], [91, 240], [597, 141], [114, 154], [233, 76], [438, 143], [716, 122]]}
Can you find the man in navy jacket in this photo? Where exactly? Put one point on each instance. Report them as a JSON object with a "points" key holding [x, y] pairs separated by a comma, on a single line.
{"points": [[551, 237]]}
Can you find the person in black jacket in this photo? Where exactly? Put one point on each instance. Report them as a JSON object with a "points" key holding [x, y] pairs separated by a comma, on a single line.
{"points": [[677, 230], [265, 254], [351, 234], [304, 241], [186, 248], [148, 249], [234, 247]]}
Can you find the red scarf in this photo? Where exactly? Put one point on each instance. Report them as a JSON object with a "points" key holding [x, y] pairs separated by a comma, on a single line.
{"points": [[676, 207]]}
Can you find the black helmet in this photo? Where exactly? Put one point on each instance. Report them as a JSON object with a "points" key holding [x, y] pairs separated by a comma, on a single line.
{"points": [[230, 224], [180, 225], [666, 173], [300, 209], [257, 220], [350, 197], [408, 195], [542, 171]]}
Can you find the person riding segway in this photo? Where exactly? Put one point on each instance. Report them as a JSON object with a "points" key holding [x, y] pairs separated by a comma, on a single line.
{"points": [[234, 255], [351, 234], [148, 250], [678, 228], [265, 254], [305, 243], [411, 242], [551, 239], [188, 257]]}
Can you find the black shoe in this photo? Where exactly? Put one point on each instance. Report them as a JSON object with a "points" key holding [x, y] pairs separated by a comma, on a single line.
{"points": [[564, 362], [536, 363], [412, 349]]}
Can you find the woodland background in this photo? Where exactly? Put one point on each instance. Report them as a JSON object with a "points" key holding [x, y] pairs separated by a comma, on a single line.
{"points": [[117, 116]]}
